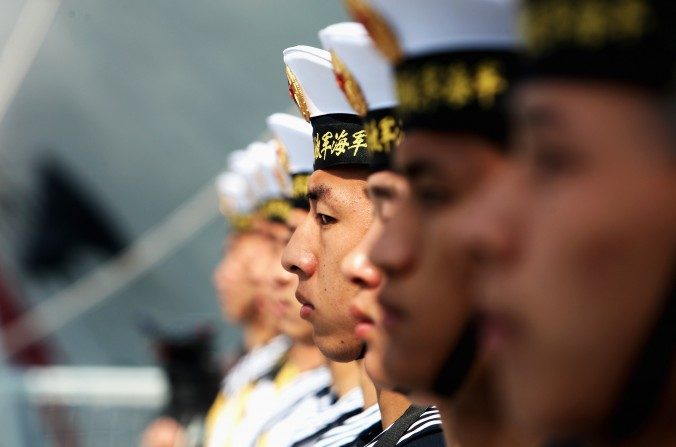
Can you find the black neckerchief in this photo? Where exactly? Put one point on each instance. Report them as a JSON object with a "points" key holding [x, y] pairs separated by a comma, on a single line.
{"points": [[391, 436]]}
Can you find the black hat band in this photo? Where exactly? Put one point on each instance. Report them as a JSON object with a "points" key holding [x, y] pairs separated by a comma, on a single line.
{"points": [[275, 210], [630, 41], [383, 129], [458, 91], [339, 139], [298, 197]]}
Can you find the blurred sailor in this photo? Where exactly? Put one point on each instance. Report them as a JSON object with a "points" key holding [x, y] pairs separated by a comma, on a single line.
{"points": [[301, 379], [242, 283], [366, 78], [294, 138], [578, 240], [452, 60]]}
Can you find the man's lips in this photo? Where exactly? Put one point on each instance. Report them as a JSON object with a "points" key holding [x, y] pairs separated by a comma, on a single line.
{"points": [[393, 315], [365, 324], [307, 308], [497, 331]]}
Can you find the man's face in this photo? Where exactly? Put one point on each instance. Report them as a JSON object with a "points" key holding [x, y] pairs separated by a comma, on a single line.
{"points": [[386, 190], [340, 214], [286, 308], [276, 234], [426, 299], [578, 241], [236, 277]]}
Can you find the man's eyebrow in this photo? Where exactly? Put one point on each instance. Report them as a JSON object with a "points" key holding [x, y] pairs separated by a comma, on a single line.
{"points": [[318, 192], [419, 168], [380, 192], [541, 116]]}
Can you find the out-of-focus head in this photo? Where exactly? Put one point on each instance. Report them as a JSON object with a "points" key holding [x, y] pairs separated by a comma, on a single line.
{"points": [[578, 239], [296, 149], [252, 199], [235, 285], [294, 137], [339, 209], [385, 191], [366, 78], [286, 307], [453, 63], [367, 81]]}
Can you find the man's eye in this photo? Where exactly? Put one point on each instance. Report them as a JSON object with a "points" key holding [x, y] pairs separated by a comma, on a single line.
{"points": [[324, 219], [430, 197], [550, 161]]}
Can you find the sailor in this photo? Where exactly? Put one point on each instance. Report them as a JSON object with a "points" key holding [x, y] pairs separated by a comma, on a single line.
{"points": [[302, 374], [322, 409], [578, 239], [367, 80], [339, 215], [453, 61], [241, 282]]}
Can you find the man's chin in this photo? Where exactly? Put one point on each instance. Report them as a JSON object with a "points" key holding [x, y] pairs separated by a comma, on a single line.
{"points": [[338, 350]]}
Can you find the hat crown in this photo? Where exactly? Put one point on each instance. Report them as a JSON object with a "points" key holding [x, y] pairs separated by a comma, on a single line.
{"points": [[425, 27], [295, 135], [313, 69], [352, 47], [234, 194], [267, 180]]}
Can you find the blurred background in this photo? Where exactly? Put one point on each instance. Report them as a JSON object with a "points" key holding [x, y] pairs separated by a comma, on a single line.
{"points": [[115, 117]]}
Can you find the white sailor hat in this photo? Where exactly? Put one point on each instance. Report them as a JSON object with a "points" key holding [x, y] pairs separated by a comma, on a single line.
{"points": [[295, 136], [366, 76], [367, 80], [404, 29], [234, 200], [243, 163], [268, 183], [338, 135], [454, 59], [274, 184]]}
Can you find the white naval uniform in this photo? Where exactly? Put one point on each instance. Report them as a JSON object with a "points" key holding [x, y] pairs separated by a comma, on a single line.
{"points": [[349, 430], [229, 406], [271, 402], [333, 415]]}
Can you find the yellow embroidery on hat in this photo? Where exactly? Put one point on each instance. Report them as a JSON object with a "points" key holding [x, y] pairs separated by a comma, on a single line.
{"points": [[489, 83], [373, 136], [281, 170], [358, 142], [241, 222], [382, 134], [341, 144], [630, 17], [299, 186], [588, 24], [390, 132], [349, 85], [430, 81], [282, 156], [458, 90], [407, 91], [336, 144], [593, 27], [276, 209], [455, 85], [297, 95], [378, 28]]}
